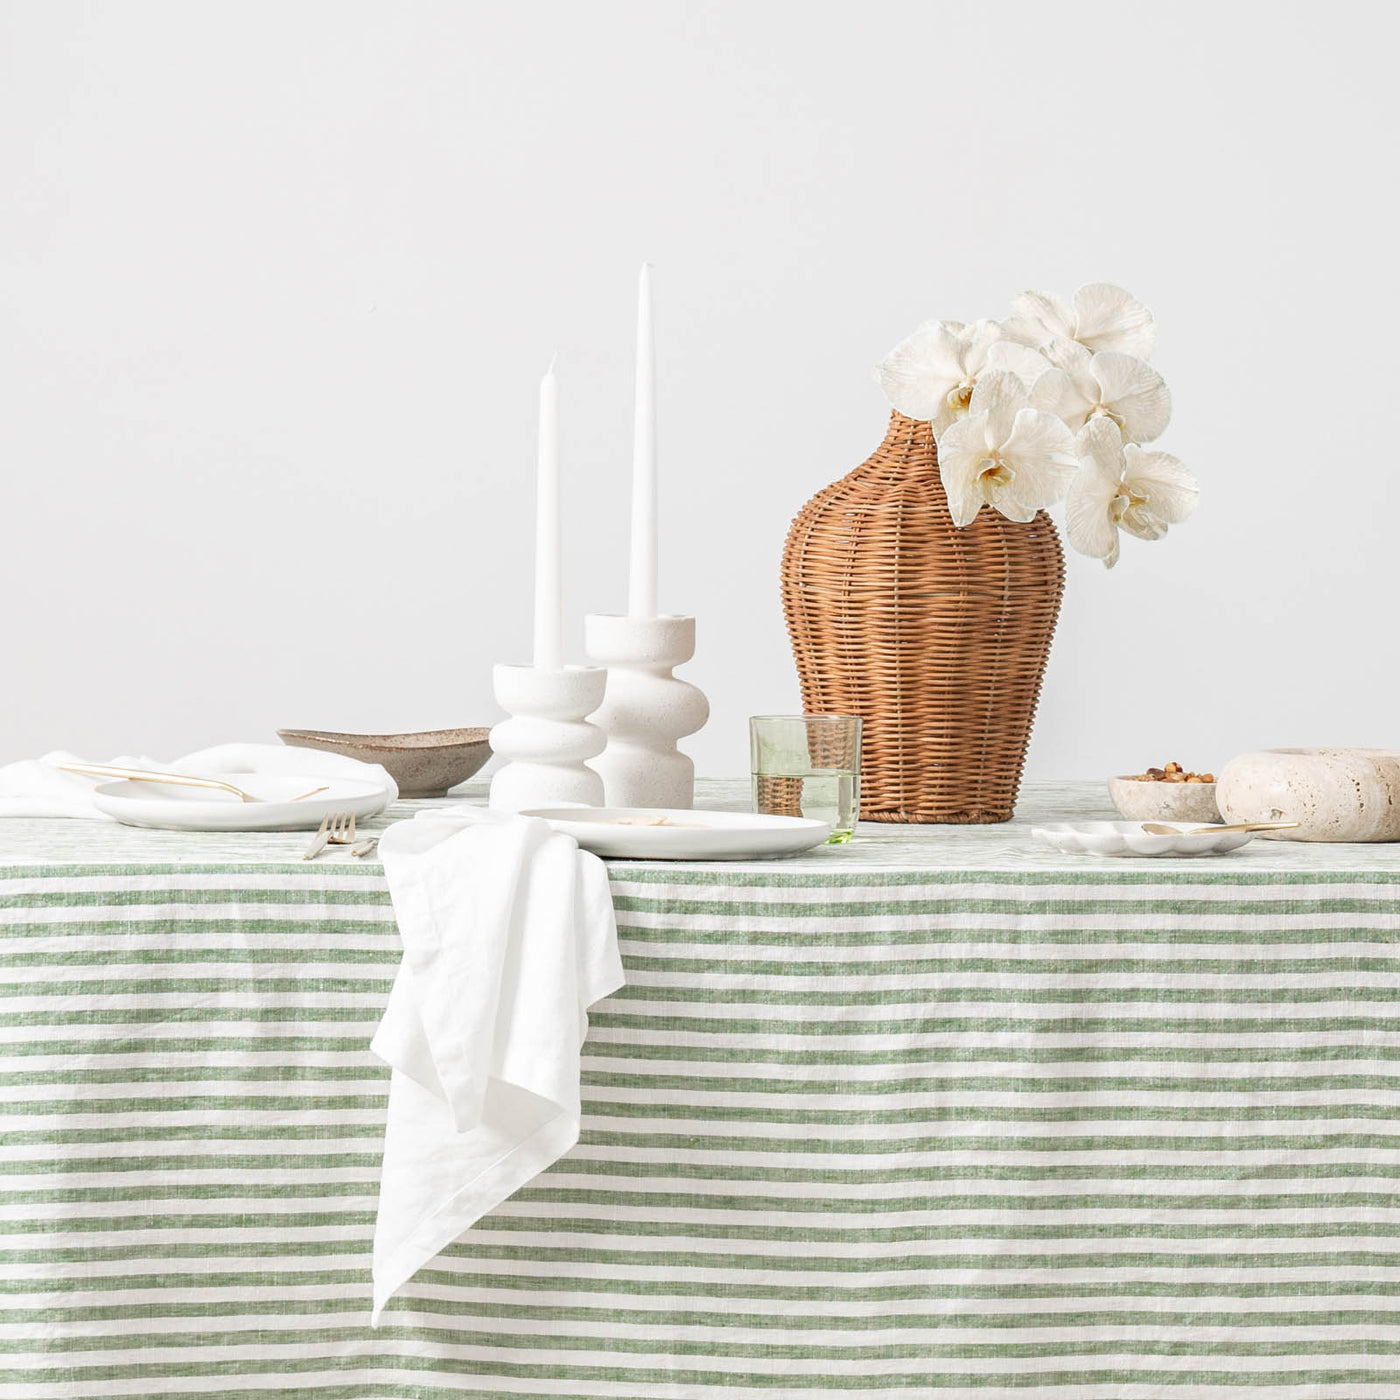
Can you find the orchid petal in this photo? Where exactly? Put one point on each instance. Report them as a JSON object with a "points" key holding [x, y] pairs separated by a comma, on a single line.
{"points": [[961, 452], [1041, 457], [1005, 497], [1077, 361], [1108, 318], [920, 372], [1134, 393], [1055, 393], [1000, 395], [1169, 488], [1020, 360], [1054, 315], [1089, 518], [1025, 330], [974, 342], [1100, 449]]}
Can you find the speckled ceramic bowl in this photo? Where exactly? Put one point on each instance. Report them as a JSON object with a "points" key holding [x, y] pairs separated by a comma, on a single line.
{"points": [[426, 764], [1163, 802]]}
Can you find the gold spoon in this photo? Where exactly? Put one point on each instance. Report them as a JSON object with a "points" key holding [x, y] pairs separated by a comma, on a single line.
{"points": [[142, 775], [1162, 829]]}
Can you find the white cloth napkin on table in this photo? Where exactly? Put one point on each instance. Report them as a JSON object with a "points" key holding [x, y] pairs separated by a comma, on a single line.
{"points": [[33, 788], [508, 938]]}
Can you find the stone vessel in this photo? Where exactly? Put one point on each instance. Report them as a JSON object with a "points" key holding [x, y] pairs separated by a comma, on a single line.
{"points": [[1335, 794]]}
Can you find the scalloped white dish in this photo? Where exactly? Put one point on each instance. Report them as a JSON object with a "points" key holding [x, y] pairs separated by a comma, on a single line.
{"points": [[1129, 839]]}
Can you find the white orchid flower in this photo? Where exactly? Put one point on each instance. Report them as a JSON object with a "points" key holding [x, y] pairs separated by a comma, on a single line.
{"points": [[1084, 385], [933, 373], [1100, 317], [1123, 487], [1005, 453]]}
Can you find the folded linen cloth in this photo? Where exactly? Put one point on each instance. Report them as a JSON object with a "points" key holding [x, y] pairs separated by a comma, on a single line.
{"points": [[508, 938], [33, 788]]}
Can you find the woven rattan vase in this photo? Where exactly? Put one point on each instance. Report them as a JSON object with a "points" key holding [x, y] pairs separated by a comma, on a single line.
{"points": [[936, 637]]}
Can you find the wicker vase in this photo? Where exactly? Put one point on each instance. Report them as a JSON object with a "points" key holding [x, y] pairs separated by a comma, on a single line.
{"points": [[937, 637]]}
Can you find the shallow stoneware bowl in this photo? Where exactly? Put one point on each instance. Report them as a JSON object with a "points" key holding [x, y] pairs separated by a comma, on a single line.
{"points": [[1164, 802], [426, 764]]}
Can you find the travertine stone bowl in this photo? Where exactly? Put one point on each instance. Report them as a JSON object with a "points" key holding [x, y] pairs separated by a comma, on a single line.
{"points": [[1163, 802], [1336, 794], [425, 764]]}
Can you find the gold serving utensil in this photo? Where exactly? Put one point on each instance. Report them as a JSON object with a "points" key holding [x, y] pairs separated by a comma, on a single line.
{"points": [[143, 775], [1162, 829]]}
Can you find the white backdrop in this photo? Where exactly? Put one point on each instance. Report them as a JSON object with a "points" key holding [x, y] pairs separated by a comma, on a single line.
{"points": [[278, 279]]}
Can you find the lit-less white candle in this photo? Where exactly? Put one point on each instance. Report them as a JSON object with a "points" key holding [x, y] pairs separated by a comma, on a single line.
{"points": [[549, 601], [642, 575]]}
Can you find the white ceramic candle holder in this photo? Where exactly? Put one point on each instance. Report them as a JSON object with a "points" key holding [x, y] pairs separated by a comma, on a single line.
{"points": [[547, 736], [646, 708]]}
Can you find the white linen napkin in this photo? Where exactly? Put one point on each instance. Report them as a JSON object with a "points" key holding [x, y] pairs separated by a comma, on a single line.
{"points": [[33, 788], [508, 938]]}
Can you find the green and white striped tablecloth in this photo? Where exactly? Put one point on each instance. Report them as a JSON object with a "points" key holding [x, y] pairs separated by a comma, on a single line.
{"points": [[937, 1114]]}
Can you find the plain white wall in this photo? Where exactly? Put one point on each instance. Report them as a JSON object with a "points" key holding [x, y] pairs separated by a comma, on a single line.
{"points": [[278, 280]]}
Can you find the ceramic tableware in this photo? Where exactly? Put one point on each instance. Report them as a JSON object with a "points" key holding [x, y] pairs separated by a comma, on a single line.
{"points": [[1129, 839], [654, 833], [423, 764], [173, 808]]}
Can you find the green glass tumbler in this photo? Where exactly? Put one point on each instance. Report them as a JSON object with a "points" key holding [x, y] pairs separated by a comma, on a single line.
{"points": [[807, 766]]}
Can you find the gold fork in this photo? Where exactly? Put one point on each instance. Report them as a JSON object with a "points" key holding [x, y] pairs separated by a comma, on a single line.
{"points": [[338, 829]]}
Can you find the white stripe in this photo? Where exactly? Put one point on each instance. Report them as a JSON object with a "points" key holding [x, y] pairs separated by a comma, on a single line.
{"points": [[370, 1083], [597, 1060], [672, 1246], [930, 1006], [1133, 945], [750, 1047], [542, 1384], [666, 1336], [465, 1302], [816, 1366], [848, 888]]}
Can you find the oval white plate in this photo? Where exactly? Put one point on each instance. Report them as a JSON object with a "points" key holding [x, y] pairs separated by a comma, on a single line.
{"points": [[615, 832], [1129, 839], [172, 808]]}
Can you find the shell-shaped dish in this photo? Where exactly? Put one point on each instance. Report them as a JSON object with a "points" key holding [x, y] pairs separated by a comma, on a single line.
{"points": [[1129, 839]]}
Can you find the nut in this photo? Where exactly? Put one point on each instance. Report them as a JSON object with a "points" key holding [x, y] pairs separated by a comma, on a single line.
{"points": [[1172, 773]]}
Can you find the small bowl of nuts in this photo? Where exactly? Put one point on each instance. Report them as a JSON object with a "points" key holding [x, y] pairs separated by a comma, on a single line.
{"points": [[1168, 794]]}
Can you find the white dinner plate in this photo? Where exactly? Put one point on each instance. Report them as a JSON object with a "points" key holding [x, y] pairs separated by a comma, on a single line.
{"points": [[635, 833], [1129, 839], [173, 808]]}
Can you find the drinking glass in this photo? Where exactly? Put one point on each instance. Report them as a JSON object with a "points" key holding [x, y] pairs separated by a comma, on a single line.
{"points": [[807, 766]]}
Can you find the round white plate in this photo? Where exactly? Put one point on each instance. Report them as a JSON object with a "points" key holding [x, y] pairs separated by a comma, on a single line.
{"points": [[173, 808], [630, 833], [1129, 839]]}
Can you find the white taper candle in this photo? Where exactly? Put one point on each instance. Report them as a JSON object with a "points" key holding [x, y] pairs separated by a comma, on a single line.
{"points": [[549, 601], [642, 576]]}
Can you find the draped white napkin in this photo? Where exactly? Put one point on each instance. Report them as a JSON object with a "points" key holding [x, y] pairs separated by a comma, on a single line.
{"points": [[33, 788], [508, 938]]}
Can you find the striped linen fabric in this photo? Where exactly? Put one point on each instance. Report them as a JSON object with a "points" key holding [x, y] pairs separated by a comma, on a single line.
{"points": [[1095, 1130]]}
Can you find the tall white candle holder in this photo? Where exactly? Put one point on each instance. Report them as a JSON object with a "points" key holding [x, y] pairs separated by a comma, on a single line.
{"points": [[547, 736], [646, 708]]}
